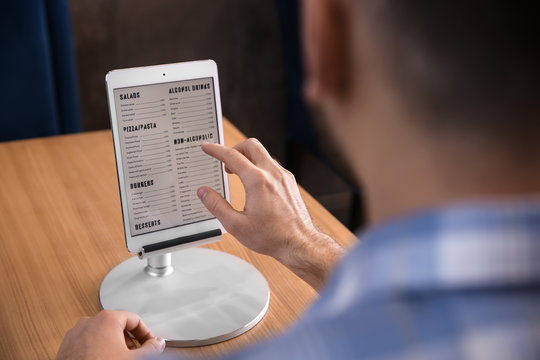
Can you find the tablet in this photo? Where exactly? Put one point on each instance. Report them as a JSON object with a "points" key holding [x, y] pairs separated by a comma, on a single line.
{"points": [[160, 116]]}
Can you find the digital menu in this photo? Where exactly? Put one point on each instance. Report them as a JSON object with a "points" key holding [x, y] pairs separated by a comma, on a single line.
{"points": [[161, 128]]}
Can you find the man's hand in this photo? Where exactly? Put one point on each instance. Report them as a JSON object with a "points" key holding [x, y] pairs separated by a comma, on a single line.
{"points": [[105, 336], [275, 220]]}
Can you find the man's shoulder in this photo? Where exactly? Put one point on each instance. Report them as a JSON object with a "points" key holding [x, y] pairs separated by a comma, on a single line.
{"points": [[437, 324], [456, 283]]}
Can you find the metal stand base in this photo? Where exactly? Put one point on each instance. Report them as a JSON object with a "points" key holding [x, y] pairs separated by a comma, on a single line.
{"points": [[196, 297]]}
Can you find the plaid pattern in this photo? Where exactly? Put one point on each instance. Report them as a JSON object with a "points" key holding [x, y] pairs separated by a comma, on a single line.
{"points": [[461, 282]]}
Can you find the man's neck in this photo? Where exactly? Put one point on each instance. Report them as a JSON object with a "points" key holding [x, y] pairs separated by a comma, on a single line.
{"points": [[412, 174]]}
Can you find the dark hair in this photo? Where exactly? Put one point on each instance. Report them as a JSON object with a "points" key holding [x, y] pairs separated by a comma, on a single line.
{"points": [[464, 62]]}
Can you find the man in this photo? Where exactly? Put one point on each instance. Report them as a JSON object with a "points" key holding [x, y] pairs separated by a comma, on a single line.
{"points": [[435, 106]]}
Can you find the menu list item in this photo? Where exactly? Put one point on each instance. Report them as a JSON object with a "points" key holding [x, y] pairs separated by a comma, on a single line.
{"points": [[161, 128]]}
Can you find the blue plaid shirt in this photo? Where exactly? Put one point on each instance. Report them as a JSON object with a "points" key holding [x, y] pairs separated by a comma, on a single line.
{"points": [[461, 282]]}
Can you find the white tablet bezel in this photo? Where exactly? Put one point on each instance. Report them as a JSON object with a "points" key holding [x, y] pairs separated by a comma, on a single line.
{"points": [[123, 78]]}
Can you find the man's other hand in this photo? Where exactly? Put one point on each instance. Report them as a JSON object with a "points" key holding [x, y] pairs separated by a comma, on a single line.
{"points": [[275, 220], [110, 335]]}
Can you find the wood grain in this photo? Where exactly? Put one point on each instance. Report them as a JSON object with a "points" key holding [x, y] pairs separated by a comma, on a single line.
{"points": [[61, 233]]}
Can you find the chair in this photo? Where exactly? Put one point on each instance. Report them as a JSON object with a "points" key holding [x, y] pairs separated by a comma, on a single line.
{"points": [[301, 135]]}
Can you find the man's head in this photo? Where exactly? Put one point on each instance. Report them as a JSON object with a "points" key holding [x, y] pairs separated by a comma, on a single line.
{"points": [[432, 86]]}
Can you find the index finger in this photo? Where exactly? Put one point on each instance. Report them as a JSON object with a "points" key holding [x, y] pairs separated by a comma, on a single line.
{"points": [[255, 152], [134, 324], [233, 159]]}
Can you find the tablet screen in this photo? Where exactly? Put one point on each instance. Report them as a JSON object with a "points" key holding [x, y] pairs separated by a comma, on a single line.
{"points": [[161, 128]]}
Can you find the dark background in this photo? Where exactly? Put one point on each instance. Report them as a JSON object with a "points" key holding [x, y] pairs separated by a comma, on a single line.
{"points": [[254, 43]]}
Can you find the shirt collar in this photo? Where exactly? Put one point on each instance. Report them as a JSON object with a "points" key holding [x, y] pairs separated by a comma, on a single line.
{"points": [[462, 246]]}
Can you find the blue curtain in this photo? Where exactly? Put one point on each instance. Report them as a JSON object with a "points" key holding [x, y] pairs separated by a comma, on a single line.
{"points": [[38, 85]]}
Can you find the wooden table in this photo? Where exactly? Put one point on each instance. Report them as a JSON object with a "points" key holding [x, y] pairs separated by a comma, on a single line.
{"points": [[61, 233]]}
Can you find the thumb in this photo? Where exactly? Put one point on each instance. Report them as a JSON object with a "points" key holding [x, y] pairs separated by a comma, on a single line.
{"points": [[218, 206], [152, 346]]}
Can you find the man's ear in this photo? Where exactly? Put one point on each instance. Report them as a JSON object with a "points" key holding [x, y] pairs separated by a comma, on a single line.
{"points": [[326, 49]]}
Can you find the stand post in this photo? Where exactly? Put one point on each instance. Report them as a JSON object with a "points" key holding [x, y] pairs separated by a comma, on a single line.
{"points": [[159, 265]]}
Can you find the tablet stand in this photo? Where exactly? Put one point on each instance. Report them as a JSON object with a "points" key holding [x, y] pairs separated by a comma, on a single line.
{"points": [[192, 297]]}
